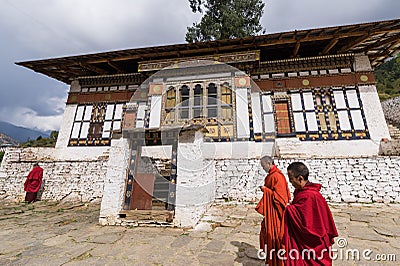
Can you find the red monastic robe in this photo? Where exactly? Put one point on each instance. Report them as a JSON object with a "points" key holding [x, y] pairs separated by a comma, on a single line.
{"points": [[276, 197], [309, 225], [34, 180]]}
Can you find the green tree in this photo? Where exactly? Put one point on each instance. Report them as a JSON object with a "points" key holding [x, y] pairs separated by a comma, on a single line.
{"points": [[387, 77], [225, 19], [54, 135], [1, 156]]}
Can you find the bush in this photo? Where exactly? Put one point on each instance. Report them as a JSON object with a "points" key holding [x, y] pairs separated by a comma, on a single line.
{"points": [[42, 142]]}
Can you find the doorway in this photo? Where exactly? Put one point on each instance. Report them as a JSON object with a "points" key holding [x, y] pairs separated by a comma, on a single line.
{"points": [[151, 176]]}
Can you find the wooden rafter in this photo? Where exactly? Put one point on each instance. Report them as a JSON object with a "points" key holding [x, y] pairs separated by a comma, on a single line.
{"points": [[394, 38], [115, 66], [92, 68], [394, 45], [296, 49], [331, 44], [354, 43]]}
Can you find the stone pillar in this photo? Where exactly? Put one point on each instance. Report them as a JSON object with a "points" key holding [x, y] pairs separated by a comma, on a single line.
{"points": [[114, 183], [195, 189], [75, 86], [361, 63]]}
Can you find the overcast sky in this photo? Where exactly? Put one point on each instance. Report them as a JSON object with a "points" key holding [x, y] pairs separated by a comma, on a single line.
{"points": [[41, 29]]}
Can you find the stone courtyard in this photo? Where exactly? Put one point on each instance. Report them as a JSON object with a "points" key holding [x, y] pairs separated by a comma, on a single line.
{"points": [[54, 233]]}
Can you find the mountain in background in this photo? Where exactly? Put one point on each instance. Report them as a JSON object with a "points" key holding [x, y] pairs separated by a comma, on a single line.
{"points": [[20, 134], [7, 140]]}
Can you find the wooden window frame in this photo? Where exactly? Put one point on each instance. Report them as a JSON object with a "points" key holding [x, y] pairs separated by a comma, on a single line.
{"points": [[222, 123], [96, 123]]}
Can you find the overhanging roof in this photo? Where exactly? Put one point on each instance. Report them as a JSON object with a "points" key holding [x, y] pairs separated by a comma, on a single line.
{"points": [[379, 40]]}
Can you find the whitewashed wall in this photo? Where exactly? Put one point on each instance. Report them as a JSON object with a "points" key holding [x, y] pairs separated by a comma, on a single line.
{"points": [[66, 126], [364, 180], [293, 147], [376, 122], [78, 178]]}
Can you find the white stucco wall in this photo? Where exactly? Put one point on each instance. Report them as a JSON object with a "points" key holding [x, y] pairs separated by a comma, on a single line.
{"points": [[236, 150], [290, 147], [256, 110], [242, 114], [376, 122], [66, 126], [155, 111]]}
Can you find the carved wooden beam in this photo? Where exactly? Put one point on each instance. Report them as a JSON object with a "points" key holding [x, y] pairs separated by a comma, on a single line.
{"points": [[332, 43]]}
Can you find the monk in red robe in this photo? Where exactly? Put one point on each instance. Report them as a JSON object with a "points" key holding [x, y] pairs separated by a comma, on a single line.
{"points": [[272, 205], [33, 183], [309, 226]]}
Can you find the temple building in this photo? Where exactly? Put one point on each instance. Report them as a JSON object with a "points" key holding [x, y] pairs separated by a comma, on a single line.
{"points": [[158, 133]]}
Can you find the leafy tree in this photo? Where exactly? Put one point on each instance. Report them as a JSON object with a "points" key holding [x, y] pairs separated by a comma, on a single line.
{"points": [[1, 156], [54, 135], [225, 19], [387, 77]]}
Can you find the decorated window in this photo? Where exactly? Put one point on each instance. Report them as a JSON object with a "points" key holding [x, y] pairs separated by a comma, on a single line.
{"points": [[183, 107], [210, 104], [170, 103], [226, 102], [93, 124], [197, 110], [212, 101], [329, 113]]}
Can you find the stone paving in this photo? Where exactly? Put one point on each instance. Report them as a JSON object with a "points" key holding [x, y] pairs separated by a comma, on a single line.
{"points": [[50, 233]]}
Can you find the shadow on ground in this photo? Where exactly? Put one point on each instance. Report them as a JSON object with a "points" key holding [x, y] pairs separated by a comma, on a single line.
{"points": [[247, 254]]}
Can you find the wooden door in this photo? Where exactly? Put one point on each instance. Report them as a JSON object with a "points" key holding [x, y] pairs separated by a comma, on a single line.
{"points": [[142, 191], [282, 117]]}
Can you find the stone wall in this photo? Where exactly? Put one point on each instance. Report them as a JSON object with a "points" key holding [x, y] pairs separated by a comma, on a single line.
{"points": [[63, 178], [390, 147], [364, 180], [391, 109]]}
